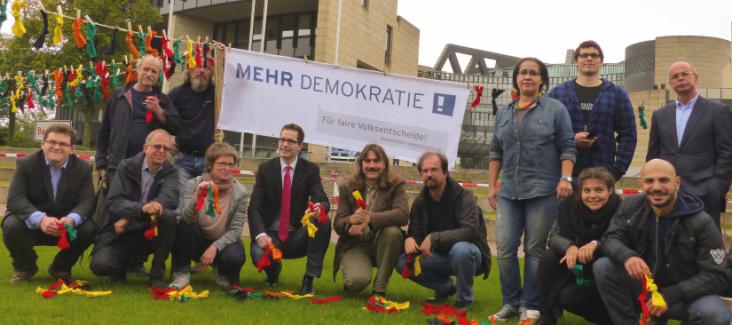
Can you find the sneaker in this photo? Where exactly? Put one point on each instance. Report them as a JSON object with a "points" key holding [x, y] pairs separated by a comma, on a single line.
{"points": [[441, 297], [222, 281], [507, 312], [462, 305], [180, 280], [22, 276], [532, 315]]}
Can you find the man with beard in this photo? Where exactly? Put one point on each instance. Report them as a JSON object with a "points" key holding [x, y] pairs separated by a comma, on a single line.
{"points": [[371, 235], [693, 134], [283, 188], [447, 229], [601, 112], [194, 100], [141, 206], [664, 234]]}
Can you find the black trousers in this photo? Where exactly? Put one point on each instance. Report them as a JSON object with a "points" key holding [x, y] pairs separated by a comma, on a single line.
{"points": [[189, 245], [297, 245], [558, 290], [113, 258], [20, 241]]}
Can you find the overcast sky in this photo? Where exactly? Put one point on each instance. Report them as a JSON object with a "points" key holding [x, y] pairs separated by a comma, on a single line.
{"points": [[546, 29]]}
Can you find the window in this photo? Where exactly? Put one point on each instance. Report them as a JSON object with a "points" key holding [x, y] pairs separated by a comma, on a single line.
{"points": [[365, 4], [387, 52]]}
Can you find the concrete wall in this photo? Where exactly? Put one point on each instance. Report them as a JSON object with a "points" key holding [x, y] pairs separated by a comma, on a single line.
{"points": [[709, 55]]}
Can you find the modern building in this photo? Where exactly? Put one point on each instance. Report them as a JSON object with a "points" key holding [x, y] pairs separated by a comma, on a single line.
{"points": [[643, 74], [370, 36]]}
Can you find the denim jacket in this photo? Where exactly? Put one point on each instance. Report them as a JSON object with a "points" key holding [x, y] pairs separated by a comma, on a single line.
{"points": [[531, 160]]}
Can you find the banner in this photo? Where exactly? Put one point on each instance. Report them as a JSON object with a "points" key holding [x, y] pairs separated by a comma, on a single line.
{"points": [[341, 107]]}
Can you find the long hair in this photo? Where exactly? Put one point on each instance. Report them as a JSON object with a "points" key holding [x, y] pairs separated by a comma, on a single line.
{"points": [[386, 179]]}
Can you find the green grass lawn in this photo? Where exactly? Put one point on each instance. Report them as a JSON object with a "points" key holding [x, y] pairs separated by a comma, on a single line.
{"points": [[131, 303]]}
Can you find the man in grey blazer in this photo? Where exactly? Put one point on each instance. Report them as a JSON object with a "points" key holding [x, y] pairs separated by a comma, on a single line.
{"points": [[695, 135]]}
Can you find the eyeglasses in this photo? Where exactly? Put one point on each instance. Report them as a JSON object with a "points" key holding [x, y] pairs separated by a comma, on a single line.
{"points": [[527, 72], [288, 141], [682, 74], [160, 147], [62, 145], [589, 56], [224, 164]]}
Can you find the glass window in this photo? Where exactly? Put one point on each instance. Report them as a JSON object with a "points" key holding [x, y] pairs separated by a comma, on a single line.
{"points": [[287, 36]]}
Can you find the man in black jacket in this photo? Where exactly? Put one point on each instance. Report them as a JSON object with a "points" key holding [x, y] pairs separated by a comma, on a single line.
{"points": [[141, 207], [447, 228], [664, 234], [51, 189], [283, 188]]}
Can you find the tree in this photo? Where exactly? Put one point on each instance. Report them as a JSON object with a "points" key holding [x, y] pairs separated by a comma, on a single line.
{"points": [[19, 55]]}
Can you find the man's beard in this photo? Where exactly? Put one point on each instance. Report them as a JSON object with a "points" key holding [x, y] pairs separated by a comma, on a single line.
{"points": [[199, 84]]}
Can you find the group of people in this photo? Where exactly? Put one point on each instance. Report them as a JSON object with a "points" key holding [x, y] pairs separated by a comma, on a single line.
{"points": [[561, 154], [586, 250]]}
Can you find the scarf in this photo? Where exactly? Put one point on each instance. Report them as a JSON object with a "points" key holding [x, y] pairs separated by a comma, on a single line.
{"points": [[582, 224]]}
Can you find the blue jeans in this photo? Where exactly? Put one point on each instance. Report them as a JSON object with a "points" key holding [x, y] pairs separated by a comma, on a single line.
{"points": [[618, 290], [188, 167], [464, 261], [532, 217]]}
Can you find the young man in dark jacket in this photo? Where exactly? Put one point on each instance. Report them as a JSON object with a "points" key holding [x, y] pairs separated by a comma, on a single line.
{"points": [[141, 207], [447, 228], [664, 234]]}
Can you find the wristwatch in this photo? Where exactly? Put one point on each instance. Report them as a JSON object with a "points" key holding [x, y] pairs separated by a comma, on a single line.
{"points": [[568, 178]]}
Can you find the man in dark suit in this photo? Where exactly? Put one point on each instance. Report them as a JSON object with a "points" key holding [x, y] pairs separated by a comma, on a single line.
{"points": [[695, 135], [280, 197], [141, 207], [50, 188]]}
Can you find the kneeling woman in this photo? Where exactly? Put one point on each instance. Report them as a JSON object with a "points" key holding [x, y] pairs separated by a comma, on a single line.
{"points": [[565, 270], [212, 235]]}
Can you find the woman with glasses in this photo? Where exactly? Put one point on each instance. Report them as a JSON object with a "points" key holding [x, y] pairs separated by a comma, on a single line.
{"points": [[533, 144], [210, 233], [565, 270]]}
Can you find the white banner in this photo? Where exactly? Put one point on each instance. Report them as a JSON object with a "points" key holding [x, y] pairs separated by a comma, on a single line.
{"points": [[341, 107]]}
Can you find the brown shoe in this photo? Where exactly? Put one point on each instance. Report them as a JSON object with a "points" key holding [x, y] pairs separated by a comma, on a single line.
{"points": [[22, 276]]}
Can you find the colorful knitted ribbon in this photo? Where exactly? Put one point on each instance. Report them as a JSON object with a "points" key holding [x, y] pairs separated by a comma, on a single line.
{"points": [[478, 94], [305, 221], [131, 75], [115, 78], [44, 31], [103, 72], [181, 295], [271, 253], [76, 287], [77, 76], [579, 275], [642, 117], [29, 99], [3, 12], [326, 300], [287, 294], [412, 264], [57, 35], [190, 58], [212, 194], [380, 305], [168, 58], [78, 36], [14, 97], [242, 293], [649, 287], [131, 44], [359, 199], [91, 31], [198, 55], [494, 321], [68, 234], [67, 95], [444, 313], [152, 232], [140, 38], [18, 27]]}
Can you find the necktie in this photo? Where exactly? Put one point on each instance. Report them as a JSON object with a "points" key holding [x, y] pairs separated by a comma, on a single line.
{"points": [[285, 206]]}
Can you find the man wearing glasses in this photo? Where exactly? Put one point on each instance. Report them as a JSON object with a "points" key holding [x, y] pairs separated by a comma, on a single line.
{"points": [[602, 115], [693, 134], [141, 207], [283, 188], [51, 189]]}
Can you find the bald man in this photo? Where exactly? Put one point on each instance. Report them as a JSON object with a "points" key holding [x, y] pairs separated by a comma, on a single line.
{"points": [[665, 234], [694, 135]]}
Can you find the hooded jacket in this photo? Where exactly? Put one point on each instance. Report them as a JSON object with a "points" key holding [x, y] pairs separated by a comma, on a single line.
{"points": [[683, 249]]}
